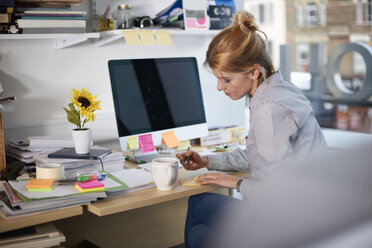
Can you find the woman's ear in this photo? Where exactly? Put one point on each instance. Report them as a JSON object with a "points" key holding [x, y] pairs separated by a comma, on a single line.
{"points": [[255, 73]]}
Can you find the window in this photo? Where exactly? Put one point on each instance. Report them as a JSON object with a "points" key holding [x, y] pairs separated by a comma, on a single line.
{"points": [[300, 16], [312, 15], [363, 11], [302, 57]]}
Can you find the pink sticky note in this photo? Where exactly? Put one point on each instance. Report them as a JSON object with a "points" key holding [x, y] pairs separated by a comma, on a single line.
{"points": [[90, 184], [145, 143]]}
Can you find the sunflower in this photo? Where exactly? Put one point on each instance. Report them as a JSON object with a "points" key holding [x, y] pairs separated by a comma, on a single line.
{"points": [[85, 103]]}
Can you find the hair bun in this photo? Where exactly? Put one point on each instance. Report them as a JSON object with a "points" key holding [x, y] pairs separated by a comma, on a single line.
{"points": [[245, 21]]}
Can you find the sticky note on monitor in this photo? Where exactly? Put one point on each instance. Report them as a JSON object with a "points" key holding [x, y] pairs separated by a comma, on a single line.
{"points": [[147, 37], [146, 144], [163, 37], [184, 145], [132, 142], [131, 37], [170, 139]]}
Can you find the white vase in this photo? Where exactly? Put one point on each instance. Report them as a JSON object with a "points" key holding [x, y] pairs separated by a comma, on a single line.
{"points": [[82, 140]]}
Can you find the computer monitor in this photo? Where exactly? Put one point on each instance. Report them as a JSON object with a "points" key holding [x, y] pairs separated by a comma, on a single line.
{"points": [[157, 95]]}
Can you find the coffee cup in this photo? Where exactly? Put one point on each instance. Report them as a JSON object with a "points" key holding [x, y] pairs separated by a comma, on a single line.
{"points": [[165, 172]]}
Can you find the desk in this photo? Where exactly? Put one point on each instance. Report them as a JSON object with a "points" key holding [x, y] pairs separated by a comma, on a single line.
{"points": [[38, 218], [146, 218]]}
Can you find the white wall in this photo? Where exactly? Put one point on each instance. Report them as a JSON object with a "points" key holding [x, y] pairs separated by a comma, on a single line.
{"points": [[41, 77]]}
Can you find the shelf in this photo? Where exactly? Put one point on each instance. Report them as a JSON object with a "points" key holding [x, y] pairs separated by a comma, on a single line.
{"points": [[100, 38], [61, 40], [113, 35]]}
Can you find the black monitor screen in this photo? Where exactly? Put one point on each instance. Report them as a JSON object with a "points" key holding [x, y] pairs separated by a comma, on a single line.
{"points": [[156, 94]]}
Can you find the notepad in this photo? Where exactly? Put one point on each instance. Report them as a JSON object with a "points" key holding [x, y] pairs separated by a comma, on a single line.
{"points": [[189, 182], [170, 139], [89, 186], [40, 185]]}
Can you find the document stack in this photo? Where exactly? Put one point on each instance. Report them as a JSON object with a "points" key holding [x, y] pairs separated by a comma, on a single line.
{"points": [[50, 17], [26, 150], [16, 200], [44, 235], [111, 162]]}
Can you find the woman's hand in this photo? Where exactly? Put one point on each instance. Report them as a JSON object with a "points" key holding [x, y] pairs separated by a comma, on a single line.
{"points": [[223, 180], [195, 161]]}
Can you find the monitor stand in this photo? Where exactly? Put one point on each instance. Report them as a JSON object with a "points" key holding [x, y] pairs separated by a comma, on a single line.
{"points": [[146, 157]]}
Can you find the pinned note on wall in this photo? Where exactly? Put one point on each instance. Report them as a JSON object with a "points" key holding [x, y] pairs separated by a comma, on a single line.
{"points": [[146, 144], [131, 37], [164, 38], [147, 37], [170, 139], [132, 142]]}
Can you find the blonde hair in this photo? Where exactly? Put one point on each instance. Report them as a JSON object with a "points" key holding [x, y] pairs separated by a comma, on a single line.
{"points": [[239, 47]]}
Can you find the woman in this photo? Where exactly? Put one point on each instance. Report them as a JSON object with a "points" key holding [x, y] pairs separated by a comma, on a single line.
{"points": [[282, 123]]}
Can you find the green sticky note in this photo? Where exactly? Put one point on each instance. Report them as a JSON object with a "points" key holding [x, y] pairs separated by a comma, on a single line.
{"points": [[39, 190]]}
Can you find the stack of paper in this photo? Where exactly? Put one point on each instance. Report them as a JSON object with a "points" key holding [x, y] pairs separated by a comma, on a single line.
{"points": [[44, 235], [112, 162], [17, 200], [26, 150]]}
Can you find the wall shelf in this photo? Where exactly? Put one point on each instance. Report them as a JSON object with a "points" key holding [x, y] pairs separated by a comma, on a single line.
{"points": [[62, 40], [100, 38]]}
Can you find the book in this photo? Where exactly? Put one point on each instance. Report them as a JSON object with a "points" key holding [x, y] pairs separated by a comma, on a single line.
{"points": [[35, 236], [23, 23], [47, 1], [53, 30], [48, 15], [55, 12], [70, 153], [54, 18]]}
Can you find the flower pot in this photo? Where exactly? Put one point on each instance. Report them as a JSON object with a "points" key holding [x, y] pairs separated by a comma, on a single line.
{"points": [[82, 140]]}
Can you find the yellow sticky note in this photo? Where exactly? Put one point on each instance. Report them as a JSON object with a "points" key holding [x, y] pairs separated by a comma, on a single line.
{"points": [[163, 38], [131, 37], [170, 139], [132, 142], [184, 145], [147, 37], [189, 182]]}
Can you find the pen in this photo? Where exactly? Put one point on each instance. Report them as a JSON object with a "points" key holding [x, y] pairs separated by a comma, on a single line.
{"points": [[187, 158], [138, 161]]}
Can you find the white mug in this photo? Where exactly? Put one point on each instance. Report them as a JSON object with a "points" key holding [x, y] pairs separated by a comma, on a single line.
{"points": [[165, 172]]}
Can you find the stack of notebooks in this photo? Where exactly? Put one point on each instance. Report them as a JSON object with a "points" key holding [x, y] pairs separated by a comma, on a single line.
{"points": [[50, 17], [44, 235], [112, 161], [25, 150], [17, 200], [36, 149]]}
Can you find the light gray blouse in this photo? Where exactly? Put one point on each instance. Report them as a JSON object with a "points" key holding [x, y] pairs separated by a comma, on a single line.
{"points": [[282, 126]]}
